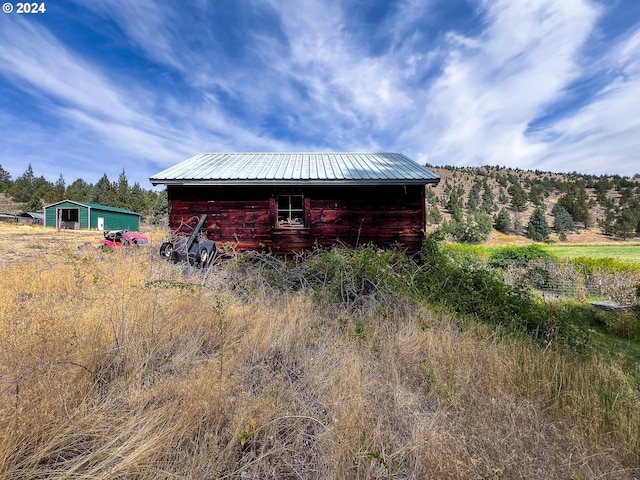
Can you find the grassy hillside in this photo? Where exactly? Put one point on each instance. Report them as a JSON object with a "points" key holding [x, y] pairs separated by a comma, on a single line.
{"points": [[122, 366], [598, 204]]}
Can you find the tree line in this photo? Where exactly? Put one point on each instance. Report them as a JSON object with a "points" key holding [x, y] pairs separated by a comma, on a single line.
{"points": [[34, 192]]}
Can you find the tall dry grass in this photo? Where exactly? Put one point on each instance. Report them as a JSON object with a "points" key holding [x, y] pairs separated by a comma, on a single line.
{"points": [[122, 366]]}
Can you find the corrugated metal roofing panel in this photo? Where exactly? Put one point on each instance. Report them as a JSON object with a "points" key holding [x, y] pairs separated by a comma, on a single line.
{"points": [[94, 205], [295, 168]]}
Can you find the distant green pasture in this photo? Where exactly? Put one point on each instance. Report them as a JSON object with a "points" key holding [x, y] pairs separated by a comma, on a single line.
{"points": [[625, 253]]}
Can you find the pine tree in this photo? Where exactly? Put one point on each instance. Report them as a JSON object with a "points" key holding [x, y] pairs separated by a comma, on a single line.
{"points": [[5, 179], [59, 190], [488, 200], [434, 216], [626, 224], [502, 221], [104, 192], [538, 228], [518, 197], [502, 197], [23, 187], [576, 202], [535, 195], [79, 191], [122, 191], [562, 221], [161, 207], [474, 197], [454, 206], [34, 204], [138, 201], [517, 224]]}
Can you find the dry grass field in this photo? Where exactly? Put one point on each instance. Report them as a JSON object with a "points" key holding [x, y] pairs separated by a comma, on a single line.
{"points": [[119, 365], [21, 243]]}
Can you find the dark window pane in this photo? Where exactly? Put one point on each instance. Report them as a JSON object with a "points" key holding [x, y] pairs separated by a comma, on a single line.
{"points": [[296, 202], [283, 202]]}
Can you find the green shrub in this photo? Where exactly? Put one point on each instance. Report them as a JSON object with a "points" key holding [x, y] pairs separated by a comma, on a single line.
{"points": [[466, 285], [505, 257], [475, 229], [352, 278]]}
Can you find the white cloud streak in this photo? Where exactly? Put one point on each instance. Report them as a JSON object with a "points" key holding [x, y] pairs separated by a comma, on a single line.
{"points": [[119, 119], [495, 84], [312, 83]]}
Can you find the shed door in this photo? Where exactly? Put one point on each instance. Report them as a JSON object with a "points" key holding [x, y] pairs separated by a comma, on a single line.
{"points": [[69, 218], [100, 223]]}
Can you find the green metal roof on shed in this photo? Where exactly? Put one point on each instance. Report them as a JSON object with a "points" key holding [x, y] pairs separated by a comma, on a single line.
{"points": [[294, 168], [94, 205]]}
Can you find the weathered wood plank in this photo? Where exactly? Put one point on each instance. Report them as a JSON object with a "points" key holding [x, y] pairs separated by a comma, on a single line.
{"points": [[347, 215]]}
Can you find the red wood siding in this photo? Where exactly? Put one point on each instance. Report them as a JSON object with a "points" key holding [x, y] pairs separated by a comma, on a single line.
{"points": [[352, 215]]}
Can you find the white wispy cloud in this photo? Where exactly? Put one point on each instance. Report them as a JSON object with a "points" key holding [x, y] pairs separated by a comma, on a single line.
{"points": [[355, 98], [106, 124], [78, 94], [602, 136], [495, 84], [39, 63]]}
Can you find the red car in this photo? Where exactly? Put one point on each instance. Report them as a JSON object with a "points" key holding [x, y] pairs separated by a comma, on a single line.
{"points": [[123, 238]]}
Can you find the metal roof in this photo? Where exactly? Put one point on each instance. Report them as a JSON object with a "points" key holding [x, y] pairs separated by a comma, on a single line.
{"points": [[295, 168], [34, 215], [94, 206]]}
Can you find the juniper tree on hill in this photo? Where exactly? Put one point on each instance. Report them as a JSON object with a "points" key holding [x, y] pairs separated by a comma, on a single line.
{"points": [[473, 200], [454, 206], [488, 199], [562, 221], [502, 221], [535, 195], [518, 197], [538, 228], [576, 202], [434, 216], [626, 225]]}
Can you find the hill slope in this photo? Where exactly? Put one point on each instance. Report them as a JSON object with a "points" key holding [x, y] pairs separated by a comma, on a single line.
{"points": [[605, 198], [7, 205]]}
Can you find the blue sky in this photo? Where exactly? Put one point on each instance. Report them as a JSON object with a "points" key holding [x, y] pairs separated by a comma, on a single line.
{"points": [[92, 87]]}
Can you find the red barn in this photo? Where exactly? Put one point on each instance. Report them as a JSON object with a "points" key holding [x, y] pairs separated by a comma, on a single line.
{"points": [[287, 202]]}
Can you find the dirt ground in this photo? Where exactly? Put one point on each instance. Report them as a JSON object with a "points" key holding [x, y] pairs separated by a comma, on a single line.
{"points": [[593, 236], [21, 242]]}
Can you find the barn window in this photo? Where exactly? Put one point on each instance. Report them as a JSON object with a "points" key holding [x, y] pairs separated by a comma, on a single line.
{"points": [[290, 211]]}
